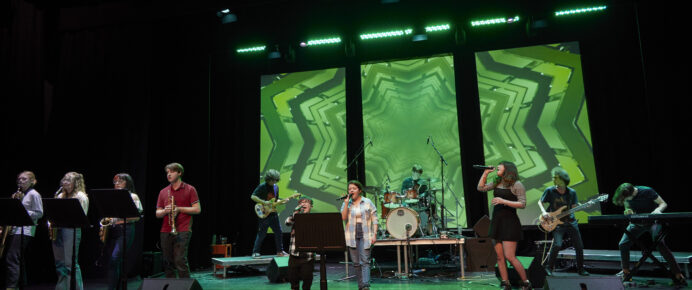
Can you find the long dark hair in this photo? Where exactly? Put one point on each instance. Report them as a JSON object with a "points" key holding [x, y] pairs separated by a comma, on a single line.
{"points": [[129, 183], [510, 176]]}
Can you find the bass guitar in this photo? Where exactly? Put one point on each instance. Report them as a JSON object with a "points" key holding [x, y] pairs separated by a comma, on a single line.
{"points": [[263, 210], [548, 224]]}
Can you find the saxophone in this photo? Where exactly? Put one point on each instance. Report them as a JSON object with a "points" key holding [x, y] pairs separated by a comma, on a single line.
{"points": [[105, 225], [172, 215], [6, 230], [53, 232]]}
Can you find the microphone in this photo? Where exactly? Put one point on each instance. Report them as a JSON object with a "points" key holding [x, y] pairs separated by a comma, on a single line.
{"points": [[428, 142], [483, 167], [298, 208], [408, 227], [344, 197], [58, 192]]}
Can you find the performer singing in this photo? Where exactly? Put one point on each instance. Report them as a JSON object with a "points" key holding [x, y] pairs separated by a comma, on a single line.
{"points": [[113, 244], [505, 228], [300, 264], [20, 237], [176, 229], [414, 182], [639, 200], [267, 193], [360, 215], [72, 187], [558, 196]]}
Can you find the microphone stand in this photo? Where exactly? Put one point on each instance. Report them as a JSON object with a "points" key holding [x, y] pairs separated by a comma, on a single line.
{"points": [[443, 163], [355, 159]]}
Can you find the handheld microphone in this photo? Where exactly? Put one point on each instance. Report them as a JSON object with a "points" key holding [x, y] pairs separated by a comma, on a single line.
{"points": [[483, 167], [58, 192], [298, 208], [344, 197]]}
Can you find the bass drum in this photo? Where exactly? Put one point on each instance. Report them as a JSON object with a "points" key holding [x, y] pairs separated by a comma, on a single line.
{"points": [[402, 223]]}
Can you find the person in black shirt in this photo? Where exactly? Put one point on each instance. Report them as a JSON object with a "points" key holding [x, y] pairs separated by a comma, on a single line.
{"points": [[558, 196], [300, 264], [414, 187], [266, 193], [640, 200]]}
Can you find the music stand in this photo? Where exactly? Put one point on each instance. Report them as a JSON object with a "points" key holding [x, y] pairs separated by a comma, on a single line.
{"points": [[320, 233], [116, 203], [13, 213], [66, 213]]}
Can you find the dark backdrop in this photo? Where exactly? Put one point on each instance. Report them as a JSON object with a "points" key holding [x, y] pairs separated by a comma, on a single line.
{"points": [[102, 87]]}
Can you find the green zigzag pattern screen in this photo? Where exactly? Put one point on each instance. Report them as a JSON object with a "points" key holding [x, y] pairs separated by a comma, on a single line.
{"points": [[404, 102], [533, 112], [303, 135]]}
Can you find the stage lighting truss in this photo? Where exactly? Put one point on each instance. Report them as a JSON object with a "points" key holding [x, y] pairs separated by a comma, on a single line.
{"points": [[386, 34], [580, 10], [323, 41], [494, 21], [251, 49]]}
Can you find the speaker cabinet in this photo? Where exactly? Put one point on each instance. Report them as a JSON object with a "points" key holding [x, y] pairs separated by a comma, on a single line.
{"points": [[277, 270], [480, 254], [170, 284], [583, 283], [482, 227]]}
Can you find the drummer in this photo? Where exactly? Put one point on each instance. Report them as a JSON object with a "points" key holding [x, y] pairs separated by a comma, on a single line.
{"points": [[414, 187]]}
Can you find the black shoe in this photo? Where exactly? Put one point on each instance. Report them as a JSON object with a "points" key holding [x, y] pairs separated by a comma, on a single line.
{"points": [[504, 285], [526, 285], [680, 282], [582, 272], [548, 272]]}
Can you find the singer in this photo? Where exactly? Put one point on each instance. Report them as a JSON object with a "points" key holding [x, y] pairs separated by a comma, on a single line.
{"points": [[72, 187], [505, 228], [300, 264], [174, 246], [20, 237], [360, 215]]}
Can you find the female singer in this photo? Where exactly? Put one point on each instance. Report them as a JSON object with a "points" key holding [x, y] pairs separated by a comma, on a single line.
{"points": [[114, 240], [72, 187], [505, 228], [360, 215]]}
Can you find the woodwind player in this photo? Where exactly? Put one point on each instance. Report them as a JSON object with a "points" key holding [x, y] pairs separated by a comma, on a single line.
{"points": [[72, 187]]}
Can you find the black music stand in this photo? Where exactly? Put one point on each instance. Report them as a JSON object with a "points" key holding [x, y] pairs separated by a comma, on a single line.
{"points": [[116, 203], [13, 213], [66, 213], [320, 233]]}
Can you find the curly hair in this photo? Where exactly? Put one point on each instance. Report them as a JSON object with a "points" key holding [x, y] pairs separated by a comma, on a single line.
{"points": [[78, 180], [561, 173], [510, 176], [272, 175]]}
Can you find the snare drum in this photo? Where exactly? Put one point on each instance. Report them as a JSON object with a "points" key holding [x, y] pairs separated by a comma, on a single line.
{"points": [[391, 200], [411, 196], [399, 219]]}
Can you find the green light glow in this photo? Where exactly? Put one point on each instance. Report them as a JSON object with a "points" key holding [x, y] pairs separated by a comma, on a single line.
{"points": [[580, 10], [393, 33], [323, 41], [493, 21], [251, 49], [434, 28]]}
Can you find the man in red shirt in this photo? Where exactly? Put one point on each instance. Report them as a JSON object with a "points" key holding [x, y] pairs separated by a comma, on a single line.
{"points": [[178, 216]]}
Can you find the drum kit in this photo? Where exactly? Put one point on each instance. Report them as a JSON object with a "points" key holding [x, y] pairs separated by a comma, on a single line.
{"points": [[411, 212]]}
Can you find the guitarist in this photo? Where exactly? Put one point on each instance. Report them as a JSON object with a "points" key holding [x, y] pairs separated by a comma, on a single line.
{"points": [[558, 196], [268, 193]]}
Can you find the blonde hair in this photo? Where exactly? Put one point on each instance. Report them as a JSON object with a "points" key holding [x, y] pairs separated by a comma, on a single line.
{"points": [[78, 180]]}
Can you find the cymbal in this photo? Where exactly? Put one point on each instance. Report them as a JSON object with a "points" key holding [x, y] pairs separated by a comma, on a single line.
{"points": [[372, 189]]}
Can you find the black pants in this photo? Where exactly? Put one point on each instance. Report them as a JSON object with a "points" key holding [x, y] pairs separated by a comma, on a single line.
{"points": [[15, 257], [174, 248], [114, 250], [300, 269], [558, 237]]}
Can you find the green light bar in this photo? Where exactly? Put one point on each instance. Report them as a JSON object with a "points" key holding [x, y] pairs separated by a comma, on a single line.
{"points": [[393, 33], [437, 28], [251, 49], [324, 41], [580, 10], [495, 21]]}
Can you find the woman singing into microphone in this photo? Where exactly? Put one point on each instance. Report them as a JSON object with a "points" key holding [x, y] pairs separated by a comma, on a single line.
{"points": [[72, 187], [505, 229], [360, 215]]}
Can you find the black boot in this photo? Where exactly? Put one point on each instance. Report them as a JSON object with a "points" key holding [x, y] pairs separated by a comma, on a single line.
{"points": [[582, 272], [548, 272], [504, 285], [526, 285]]}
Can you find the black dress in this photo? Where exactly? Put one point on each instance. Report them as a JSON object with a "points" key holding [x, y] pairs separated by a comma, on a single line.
{"points": [[505, 224]]}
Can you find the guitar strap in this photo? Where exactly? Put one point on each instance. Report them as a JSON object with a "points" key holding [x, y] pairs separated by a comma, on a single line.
{"points": [[276, 192]]}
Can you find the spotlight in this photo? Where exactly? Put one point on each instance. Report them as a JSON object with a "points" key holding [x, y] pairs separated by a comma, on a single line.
{"points": [[225, 16]]}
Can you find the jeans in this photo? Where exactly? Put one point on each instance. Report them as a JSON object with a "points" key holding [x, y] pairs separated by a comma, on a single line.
{"points": [[271, 221], [174, 248], [300, 269], [637, 230], [114, 248], [361, 260], [14, 261], [558, 235], [62, 251]]}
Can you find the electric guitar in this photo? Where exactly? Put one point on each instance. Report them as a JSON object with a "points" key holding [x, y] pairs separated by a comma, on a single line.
{"points": [[550, 223], [263, 210]]}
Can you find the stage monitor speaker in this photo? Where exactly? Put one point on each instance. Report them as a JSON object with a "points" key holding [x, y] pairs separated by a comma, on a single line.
{"points": [[534, 271], [480, 254], [583, 283], [170, 284], [482, 227], [277, 270]]}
